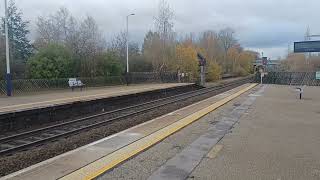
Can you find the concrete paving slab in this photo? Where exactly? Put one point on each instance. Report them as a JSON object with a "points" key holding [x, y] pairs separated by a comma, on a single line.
{"points": [[143, 165], [278, 138], [180, 166]]}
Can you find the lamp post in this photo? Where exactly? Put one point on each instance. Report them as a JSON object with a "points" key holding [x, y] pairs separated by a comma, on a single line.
{"points": [[128, 41], [8, 75]]}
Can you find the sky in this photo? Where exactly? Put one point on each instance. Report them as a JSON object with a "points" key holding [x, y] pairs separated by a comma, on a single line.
{"points": [[268, 26]]}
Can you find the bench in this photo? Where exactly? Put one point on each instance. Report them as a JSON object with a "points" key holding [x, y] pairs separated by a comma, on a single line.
{"points": [[75, 83]]}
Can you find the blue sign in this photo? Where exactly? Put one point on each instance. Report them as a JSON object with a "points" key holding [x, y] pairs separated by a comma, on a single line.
{"points": [[318, 75], [307, 46], [264, 61]]}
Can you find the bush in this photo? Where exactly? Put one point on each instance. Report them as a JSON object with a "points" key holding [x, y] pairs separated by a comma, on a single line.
{"points": [[139, 64], [241, 72], [109, 65], [51, 62], [214, 72]]}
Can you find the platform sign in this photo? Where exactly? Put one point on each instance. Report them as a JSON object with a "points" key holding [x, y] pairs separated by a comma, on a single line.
{"points": [[307, 46], [202, 60], [318, 75], [264, 61]]}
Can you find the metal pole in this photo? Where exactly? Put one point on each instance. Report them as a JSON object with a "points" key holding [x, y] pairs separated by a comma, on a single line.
{"points": [[8, 76], [128, 44], [202, 76], [128, 41], [261, 76]]}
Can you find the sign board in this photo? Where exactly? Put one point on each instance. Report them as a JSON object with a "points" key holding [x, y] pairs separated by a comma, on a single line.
{"points": [[202, 60], [307, 46], [264, 61], [318, 75]]}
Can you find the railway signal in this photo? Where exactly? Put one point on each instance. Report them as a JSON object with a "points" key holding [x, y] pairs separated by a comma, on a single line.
{"points": [[202, 64]]}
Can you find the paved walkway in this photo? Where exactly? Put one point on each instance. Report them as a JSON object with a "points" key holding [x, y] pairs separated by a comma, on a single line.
{"points": [[152, 160], [17, 103], [278, 139]]}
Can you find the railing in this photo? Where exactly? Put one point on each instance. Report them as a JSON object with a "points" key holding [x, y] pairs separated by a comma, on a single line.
{"points": [[290, 78], [34, 85]]}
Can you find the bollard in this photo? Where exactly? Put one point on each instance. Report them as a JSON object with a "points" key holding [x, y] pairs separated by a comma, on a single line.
{"points": [[300, 95], [300, 91]]}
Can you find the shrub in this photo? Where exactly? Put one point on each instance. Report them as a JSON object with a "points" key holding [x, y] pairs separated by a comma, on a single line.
{"points": [[109, 65], [214, 72], [241, 72], [53, 61]]}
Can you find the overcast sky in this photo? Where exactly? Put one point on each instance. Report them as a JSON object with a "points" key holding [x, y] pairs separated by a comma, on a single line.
{"points": [[264, 25]]}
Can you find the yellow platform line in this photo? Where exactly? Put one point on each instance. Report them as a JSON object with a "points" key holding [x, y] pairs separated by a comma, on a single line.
{"points": [[108, 162]]}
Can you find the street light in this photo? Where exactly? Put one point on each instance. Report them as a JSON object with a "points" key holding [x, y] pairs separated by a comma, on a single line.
{"points": [[128, 41], [8, 76]]}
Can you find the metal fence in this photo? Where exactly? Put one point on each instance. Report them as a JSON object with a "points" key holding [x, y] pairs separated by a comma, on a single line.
{"points": [[33, 85], [152, 77], [290, 78]]}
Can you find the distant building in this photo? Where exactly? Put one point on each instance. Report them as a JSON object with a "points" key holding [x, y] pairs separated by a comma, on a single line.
{"points": [[266, 64]]}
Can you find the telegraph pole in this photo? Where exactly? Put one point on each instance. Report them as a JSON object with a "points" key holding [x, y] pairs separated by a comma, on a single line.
{"points": [[8, 75]]}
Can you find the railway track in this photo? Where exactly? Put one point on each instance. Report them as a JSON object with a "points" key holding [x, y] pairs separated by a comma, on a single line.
{"points": [[37, 137]]}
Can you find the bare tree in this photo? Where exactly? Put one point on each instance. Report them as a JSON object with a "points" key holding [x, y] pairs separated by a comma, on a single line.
{"points": [[118, 46], [209, 41], [164, 20], [91, 44], [227, 39], [164, 27], [83, 38], [152, 49], [55, 28]]}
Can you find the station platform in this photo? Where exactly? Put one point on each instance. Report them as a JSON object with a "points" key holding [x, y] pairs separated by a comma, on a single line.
{"points": [[278, 138], [275, 136], [250, 132], [106, 155], [60, 97]]}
